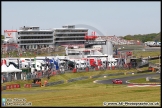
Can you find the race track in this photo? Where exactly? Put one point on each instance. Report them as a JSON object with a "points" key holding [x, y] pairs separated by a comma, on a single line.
{"points": [[124, 79]]}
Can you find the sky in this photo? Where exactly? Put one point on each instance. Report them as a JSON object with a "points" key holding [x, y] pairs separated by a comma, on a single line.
{"points": [[105, 18]]}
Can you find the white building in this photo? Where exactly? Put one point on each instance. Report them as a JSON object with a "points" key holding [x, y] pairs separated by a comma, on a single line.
{"points": [[32, 37], [68, 35]]}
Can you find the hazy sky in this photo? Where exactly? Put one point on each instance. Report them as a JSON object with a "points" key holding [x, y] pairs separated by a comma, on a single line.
{"points": [[106, 18]]}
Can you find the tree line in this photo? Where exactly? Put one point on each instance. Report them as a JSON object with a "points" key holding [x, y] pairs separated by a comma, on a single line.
{"points": [[144, 37]]}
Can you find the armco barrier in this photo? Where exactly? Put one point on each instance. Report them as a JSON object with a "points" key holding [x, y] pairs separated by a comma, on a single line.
{"points": [[76, 79], [55, 83], [35, 85], [97, 76]]}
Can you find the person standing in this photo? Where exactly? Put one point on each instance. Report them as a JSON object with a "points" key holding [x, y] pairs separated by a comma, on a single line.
{"points": [[45, 82]]}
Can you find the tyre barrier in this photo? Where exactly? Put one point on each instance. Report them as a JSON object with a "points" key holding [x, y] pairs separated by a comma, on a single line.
{"points": [[108, 68], [96, 69], [54, 73], [77, 79], [54, 83], [8, 87], [113, 67], [11, 86], [74, 70], [87, 69], [27, 86]]}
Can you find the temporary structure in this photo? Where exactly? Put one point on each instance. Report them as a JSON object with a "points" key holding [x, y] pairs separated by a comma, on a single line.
{"points": [[14, 69], [5, 69]]}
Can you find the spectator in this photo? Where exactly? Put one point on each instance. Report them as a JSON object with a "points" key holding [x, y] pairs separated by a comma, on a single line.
{"points": [[45, 82]]}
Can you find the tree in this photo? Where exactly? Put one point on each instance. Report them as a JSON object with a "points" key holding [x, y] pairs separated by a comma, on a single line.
{"points": [[144, 37], [2, 36]]}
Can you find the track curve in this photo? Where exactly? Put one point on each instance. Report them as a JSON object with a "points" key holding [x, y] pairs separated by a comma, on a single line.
{"points": [[124, 79]]}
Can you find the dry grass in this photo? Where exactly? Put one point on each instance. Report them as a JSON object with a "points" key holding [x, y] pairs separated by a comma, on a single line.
{"points": [[146, 53], [86, 93]]}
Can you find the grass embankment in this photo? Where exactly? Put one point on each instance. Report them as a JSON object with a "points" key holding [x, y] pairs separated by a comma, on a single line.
{"points": [[67, 76], [140, 80], [155, 61], [72, 84], [146, 53], [85, 92]]}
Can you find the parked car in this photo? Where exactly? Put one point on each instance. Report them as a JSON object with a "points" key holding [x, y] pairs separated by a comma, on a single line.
{"points": [[117, 81]]}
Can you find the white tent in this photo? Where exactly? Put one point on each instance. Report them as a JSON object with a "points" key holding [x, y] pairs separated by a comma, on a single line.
{"points": [[14, 69], [5, 69]]}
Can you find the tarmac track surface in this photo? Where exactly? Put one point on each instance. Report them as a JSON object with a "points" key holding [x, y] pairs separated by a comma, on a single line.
{"points": [[124, 79]]}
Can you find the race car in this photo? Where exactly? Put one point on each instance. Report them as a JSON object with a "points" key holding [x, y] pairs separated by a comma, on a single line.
{"points": [[117, 81]]}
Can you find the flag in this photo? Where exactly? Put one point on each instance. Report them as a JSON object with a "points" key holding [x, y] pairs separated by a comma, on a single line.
{"points": [[54, 63]]}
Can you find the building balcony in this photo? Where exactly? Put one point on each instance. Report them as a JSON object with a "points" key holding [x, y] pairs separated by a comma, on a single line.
{"points": [[68, 36], [36, 43], [19, 35], [70, 32], [34, 39], [69, 40]]}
